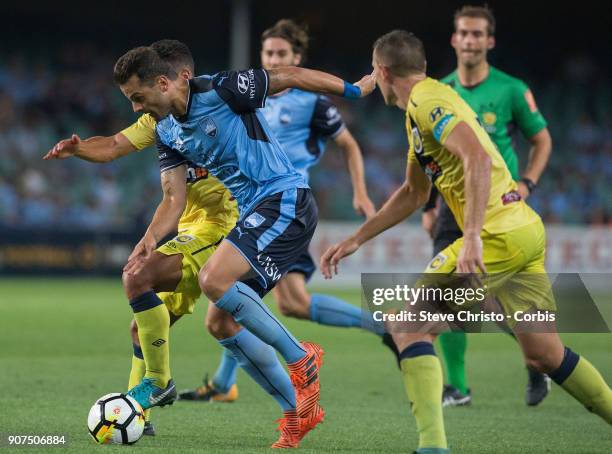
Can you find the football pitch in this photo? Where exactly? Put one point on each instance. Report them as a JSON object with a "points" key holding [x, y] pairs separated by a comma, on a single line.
{"points": [[65, 342]]}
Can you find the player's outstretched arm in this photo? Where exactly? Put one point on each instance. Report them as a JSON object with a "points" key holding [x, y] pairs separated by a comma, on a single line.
{"points": [[463, 143], [404, 201], [354, 160], [166, 217], [98, 149], [319, 82]]}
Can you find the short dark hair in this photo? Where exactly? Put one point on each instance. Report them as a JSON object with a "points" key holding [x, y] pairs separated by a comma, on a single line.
{"points": [[289, 30], [143, 62], [402, 52], [174, 52], [481, 12]]}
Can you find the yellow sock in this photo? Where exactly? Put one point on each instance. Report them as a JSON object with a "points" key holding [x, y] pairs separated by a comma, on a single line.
{"points": [[136, 374], [422, 376], [137, 371], [153, 333], [587, 386]]}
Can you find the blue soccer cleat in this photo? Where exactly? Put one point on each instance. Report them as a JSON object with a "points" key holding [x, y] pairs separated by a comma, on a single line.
{"points": [[148, 395]]}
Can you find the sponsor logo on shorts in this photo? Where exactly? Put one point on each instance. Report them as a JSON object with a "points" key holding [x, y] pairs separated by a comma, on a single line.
{"points": [[437, 261], [184, 239], [270, 268], [240, 232], [254, 220]]}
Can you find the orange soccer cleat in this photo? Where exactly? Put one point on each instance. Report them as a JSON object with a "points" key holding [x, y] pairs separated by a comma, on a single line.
{"points": [[288, 426], [304, 375]]}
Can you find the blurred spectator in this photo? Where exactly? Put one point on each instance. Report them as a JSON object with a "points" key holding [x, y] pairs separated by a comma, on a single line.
{"points": [[42, 101]]}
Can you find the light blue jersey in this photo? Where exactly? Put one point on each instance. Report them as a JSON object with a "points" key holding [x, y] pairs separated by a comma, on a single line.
{"points": [[302, 122], [224, 132]]}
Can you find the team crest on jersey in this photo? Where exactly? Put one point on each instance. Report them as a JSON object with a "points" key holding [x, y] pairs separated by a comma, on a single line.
{"points": [[489, 118], [488, 121], [209, 127], [436, 113], [254, 220], [437, 261]]}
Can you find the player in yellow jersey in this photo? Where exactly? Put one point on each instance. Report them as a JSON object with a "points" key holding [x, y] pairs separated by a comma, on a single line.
{"points": [[502, 236], [173, 269]]}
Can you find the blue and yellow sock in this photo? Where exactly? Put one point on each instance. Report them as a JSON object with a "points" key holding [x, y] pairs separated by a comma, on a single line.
{"points": [[248, 309], [332, 311], [580, 379], [153, 320], [225, 375], [422, 376], [259, 360]]}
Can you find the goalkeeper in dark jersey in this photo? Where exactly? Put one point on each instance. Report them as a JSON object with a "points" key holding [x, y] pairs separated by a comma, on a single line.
{"points": [[503, 104]]}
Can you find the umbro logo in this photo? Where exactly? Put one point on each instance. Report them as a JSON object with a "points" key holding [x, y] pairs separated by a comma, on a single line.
{"points": [[158, 342]]}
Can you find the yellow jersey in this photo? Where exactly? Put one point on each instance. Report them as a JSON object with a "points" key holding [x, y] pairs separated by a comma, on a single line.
{"points": [[433, 111], [207, 198]]}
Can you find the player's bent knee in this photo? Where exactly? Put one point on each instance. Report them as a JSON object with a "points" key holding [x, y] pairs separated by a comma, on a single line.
{"points": [[136, 284], [212, 284]]}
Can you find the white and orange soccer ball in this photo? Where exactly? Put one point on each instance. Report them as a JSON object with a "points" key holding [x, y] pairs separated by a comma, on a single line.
{"points": [[116, 418]]}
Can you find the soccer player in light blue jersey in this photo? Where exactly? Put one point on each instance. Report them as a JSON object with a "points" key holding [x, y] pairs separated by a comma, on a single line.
{"points": [[302, 122], [213, 121]]}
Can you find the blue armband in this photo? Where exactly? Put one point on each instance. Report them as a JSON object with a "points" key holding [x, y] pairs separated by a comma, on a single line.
{"points": [[351, 91]]}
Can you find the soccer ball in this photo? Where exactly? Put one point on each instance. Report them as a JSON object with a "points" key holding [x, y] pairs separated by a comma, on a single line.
{"points": [[116, 418]]}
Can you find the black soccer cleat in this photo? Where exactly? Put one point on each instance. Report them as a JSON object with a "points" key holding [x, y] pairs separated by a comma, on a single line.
{"points": [[208, 393], [387, 341], [452, 397], [538, 387], [149, 430]]}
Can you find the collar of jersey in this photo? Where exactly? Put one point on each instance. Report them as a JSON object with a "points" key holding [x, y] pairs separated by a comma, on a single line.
{"points": [[472, 87], [199, 84]]}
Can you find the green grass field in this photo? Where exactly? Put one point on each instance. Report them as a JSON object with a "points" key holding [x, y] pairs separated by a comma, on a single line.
{"points": [[65, 342]]}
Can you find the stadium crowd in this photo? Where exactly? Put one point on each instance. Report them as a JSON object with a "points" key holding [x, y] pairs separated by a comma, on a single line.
{"points": [[41, 103]]}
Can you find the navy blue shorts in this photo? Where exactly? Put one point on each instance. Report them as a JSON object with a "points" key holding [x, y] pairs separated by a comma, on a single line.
{"points": [[305, 265], [274, 235]]}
